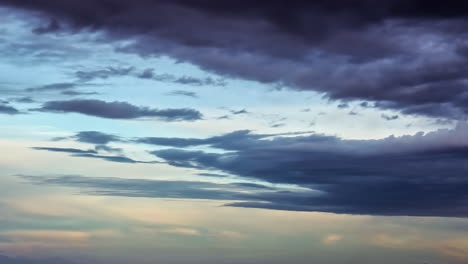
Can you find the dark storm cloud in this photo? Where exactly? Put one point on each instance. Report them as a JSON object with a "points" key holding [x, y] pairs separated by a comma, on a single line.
{"points": [[420, 175], [407, 55], [118, 110], [9, 110], [52, 26]]}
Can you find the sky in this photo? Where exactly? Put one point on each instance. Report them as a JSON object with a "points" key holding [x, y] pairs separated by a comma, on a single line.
{"points": [[233, 132]]}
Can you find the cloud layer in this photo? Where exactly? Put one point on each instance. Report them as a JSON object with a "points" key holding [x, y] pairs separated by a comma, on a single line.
{"points": [[118, 110], [418, 175], [409, 56]]}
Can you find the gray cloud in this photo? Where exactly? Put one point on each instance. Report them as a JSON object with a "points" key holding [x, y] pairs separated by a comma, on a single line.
{"points": [[66, 150], [52, 87], [9, 110], [77, 93], [118, 110], [94, 154], [52, 26], [346, 50], [420, 175], [389, 117], [95, 137], [149, 73], [105, 73], [25, 100], [183, 93], [240, 112], [154, 188]]}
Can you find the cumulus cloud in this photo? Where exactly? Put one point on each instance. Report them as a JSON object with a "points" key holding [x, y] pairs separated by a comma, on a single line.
{"points": [[118, 110], [409, 56]]}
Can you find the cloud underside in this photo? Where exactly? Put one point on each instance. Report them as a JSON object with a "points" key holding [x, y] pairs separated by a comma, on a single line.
{"points": [[405, 55], [419, 175]]}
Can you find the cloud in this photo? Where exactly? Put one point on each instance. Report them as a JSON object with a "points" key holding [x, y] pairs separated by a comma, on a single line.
{"points": [[149, 74], [95, 137], [118, 110], [52, 87], [419, 175], [183, 93], [343, 105], [105, 73], [94, 154], [108, 149], [25, 100], [67, 150], [9, 110], [77, 93], [212, 175], [232, 141], [302, 45], [389, 118], [63, 88], [152, 188], [53, 26], [413, 175], [240, 112], [118, 159]]}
